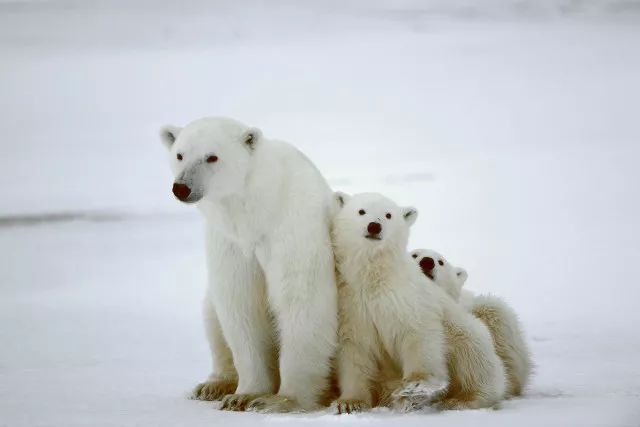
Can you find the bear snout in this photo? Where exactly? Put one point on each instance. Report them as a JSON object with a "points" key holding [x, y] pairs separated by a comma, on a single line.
{"points": [[374, 228], [181, 191], [427, 264]]}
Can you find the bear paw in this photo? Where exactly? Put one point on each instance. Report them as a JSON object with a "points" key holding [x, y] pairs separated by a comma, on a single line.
{"points": [[451, 404], [237, 402], [274, 403], [416, 387], [457, 404], [350, 406], [411, 403], [213, 389]]}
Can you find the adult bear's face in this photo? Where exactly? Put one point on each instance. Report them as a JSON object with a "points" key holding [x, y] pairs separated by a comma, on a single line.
{"points": [[210, 157]]}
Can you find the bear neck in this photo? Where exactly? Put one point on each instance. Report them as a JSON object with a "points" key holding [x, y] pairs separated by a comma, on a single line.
{"points": [[454, 290], [372, 269]]}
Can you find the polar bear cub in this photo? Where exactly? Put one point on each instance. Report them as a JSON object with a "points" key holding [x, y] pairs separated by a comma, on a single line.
{"points": [[499, 317], [392, 320], [449, 278]]}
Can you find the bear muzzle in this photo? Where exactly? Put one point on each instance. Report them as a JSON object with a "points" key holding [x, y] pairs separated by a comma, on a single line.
{"points": [[374, 229], [181, 191], [427, 264]]}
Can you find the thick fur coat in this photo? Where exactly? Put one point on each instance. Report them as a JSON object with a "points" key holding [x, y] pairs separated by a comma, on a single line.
{"points": [[500, 318], [270, 310], [397, 330]]}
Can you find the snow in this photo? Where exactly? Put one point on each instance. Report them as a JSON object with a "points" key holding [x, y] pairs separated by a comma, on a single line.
{"points": [[512, 126]]}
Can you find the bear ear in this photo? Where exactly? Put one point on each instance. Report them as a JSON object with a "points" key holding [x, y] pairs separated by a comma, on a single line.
{"points": [[410, 214], [462, 275], [341, 198], [169, 134], [252, 137]]}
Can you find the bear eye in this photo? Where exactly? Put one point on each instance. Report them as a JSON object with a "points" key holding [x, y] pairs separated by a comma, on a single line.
{"points": [[440, 262], [179, 156], [212, 159], [361, 212], [388, 215], [415, 255]]}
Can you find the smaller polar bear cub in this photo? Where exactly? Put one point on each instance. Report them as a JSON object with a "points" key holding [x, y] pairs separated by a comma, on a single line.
{"points": [[391, 322], [499, 317], [449, 278]]}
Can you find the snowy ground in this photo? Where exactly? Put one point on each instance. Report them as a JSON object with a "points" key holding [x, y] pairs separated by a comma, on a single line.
{"points": [[517, 137]]}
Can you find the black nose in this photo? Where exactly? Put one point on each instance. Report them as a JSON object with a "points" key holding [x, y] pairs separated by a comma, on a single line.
{"points": [[374, 228], [181, 191], [427, 263]]}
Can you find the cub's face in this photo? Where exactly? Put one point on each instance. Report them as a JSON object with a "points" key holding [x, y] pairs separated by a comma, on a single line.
{"points": [[371, 222], [437, 268], [210, 157]]}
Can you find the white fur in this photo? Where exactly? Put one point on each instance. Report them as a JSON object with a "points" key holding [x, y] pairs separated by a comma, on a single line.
{"points": [[392, 320], [499, 317], [271, 270]]}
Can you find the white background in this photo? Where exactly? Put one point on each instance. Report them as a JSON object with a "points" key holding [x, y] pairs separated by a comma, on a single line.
{"points": [[513, 126]]}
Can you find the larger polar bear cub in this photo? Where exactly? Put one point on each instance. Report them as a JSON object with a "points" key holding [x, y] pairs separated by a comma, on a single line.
{"points": [[499, 317], [391, 320], [270, 262]]}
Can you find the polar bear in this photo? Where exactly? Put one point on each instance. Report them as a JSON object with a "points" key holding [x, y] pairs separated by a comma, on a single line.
{"points": [[499, 317], [440, 353], [270, 309], [449, 278]]}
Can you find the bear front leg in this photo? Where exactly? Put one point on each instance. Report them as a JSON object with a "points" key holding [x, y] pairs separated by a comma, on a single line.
{"points": [[307, 342], [424, 369], [356, 362], [224, 378], [302, 290], [355, 368], [238, 290]]}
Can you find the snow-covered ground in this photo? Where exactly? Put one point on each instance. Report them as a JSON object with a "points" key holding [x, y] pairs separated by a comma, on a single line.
{"points": [[513, 128]]}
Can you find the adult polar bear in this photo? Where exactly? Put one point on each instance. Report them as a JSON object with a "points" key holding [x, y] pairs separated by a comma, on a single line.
{"points": [[269, 254]]}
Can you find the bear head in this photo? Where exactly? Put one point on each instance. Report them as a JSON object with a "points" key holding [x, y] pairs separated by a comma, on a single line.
{"points": [[371, 223], [210, 157], [445, 275]]}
